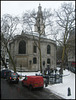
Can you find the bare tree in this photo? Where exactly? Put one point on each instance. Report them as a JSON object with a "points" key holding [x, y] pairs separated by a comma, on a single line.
{"points": [[30, 18], [8, 28], [66, 22]]}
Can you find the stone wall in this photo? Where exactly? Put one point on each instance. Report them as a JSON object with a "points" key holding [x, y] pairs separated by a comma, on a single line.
{"points": [[26, 60]]}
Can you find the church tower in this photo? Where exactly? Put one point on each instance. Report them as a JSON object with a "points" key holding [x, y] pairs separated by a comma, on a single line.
{"points": [[39, 26]]}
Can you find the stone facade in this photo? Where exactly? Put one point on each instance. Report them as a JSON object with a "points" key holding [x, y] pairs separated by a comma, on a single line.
{"points": [[25, 52], [26, 59]]}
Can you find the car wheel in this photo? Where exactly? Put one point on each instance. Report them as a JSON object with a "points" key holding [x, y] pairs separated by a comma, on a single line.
{"points": [[9, 81], [30, 88], [17, 82], [22, 84], [42, 88]]}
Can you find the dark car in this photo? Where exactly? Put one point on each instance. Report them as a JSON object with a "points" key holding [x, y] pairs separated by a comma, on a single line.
{"points": [[13, 77], [4, 73]]}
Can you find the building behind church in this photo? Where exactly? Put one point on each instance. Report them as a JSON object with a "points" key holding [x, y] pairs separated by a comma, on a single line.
{"points": [[25, 52]]}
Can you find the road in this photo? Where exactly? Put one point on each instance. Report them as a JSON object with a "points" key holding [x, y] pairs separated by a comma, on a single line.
{"points": [[17, 91]]}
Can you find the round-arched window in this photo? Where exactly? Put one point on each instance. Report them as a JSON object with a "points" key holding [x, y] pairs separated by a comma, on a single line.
{"points": [[48, 49], [34, 60], [22, 47], [48, 61]]}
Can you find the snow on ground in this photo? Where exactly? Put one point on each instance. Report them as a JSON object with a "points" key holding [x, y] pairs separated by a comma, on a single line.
{"points": [[60, 89]]}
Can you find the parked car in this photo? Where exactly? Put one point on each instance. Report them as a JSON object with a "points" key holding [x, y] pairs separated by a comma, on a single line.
{"points": [[13, 77], [33, 82], [4, 73]]}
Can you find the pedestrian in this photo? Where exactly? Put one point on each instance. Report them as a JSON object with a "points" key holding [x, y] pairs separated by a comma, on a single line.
{"points": [[60, 71]]}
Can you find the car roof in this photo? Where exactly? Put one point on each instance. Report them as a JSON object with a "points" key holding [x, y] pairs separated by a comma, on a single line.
{"points": [[6, 70], [13, 73], [34, 76]]}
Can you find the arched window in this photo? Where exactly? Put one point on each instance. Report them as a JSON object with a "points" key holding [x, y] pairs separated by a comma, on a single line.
{"points": [[48, 61], [48, 49], [35, 49], [22, 47], [34, 60]]}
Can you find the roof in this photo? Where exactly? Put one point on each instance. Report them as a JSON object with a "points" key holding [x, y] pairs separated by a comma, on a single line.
{"points": [[33, 36]]}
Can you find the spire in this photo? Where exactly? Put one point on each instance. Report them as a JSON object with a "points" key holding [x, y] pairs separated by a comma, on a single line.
{"points": [[39, 8], [39, 13], [39, 21]]}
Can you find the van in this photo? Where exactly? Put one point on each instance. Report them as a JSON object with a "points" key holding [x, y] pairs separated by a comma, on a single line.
{"points": [[33, 82]]}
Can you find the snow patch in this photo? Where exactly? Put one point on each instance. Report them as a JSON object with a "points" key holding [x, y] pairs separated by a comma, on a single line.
{"points": [[60, 89]]}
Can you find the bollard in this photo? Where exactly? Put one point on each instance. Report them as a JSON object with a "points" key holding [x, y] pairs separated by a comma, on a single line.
{"points": [[69, 91], [46, 84]]}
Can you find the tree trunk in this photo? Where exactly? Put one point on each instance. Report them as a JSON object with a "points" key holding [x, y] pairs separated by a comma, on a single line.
{"points": [[40, 62], [62, 65], [3, 62], [11, 60], [40, 55]]}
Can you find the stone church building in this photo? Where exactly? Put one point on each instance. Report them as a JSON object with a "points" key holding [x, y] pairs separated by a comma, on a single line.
{"points": [[25, 52]]}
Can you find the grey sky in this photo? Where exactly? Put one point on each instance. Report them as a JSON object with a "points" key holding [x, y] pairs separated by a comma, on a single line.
{"points": [[18, 7]]}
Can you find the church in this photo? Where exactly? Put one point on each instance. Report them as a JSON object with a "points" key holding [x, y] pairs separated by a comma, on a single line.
{"points": [[25, 51]]}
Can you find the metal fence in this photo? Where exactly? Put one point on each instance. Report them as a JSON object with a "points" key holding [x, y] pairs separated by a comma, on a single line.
{"points": [[55, 78]]}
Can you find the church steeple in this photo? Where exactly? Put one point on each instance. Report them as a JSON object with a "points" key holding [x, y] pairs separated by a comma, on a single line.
{"points": [[39, 8], [39, 21]]}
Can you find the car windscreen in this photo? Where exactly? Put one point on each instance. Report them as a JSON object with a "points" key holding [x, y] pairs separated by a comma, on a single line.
{"points": [[14, 74]]}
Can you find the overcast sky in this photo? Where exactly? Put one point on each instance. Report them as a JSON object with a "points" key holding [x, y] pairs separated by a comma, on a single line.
{"points": [[18, 7]]}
